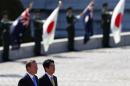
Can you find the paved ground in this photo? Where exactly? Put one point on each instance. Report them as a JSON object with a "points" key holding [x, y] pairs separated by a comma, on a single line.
{"points": [[100, 67]]}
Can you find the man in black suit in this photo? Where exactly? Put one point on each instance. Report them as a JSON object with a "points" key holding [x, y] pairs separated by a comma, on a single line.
{"points": [[105, 23], [37, 34], [5, 26], [48, 79], [30, 79], [70, 18]]}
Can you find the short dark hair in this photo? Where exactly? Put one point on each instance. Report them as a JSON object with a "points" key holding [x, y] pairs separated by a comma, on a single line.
{"points": [[28, 63], [47, 63], [69, 8], [105, 4]]}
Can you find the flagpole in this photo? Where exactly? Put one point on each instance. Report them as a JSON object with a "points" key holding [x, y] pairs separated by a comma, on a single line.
{"points": [[31, 4], [59, 3], [90, 4]]}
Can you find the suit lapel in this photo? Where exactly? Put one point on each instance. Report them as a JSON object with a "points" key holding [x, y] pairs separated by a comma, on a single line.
{"points": [[48, 80], [55, 81], [30, 80]]}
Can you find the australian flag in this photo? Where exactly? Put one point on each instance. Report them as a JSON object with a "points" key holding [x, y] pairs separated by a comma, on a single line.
{"points": [[18, 27]]}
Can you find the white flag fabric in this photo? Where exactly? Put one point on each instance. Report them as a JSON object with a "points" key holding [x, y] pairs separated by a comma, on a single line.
{"points": [[49, 29], [116, 20]]}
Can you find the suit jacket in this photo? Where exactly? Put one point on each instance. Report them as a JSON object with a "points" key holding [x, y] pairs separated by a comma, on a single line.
{"points": [[45, 81], [27, 81], [88, 24]]}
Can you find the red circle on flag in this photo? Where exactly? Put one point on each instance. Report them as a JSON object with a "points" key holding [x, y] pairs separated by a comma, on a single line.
{"points": [[118, 20], [50, 27]]}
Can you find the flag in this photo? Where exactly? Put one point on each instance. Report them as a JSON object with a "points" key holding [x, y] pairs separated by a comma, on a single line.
{"points": [[49, 28], [17, 28], [116, 21], [22, 19]]}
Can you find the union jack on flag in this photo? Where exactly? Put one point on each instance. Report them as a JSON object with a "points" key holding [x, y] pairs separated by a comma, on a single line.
{"points": [[23, 19], [17, 27]]}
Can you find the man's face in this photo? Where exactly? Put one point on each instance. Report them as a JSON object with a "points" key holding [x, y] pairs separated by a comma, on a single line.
{"points": [[70, 11], [106, 7], [5, 17], [33, 68], [38, 15], [51, 69]]}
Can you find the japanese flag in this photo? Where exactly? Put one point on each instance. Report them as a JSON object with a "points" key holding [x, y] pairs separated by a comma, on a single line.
{"points": [[49, 28], [116, 21]]}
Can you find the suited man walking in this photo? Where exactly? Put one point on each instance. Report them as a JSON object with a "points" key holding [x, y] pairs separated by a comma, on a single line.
{"points": [[30, 79], [48, 79]]}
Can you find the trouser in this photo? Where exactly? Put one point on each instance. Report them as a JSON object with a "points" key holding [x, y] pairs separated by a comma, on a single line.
{"points": [[71, 43], [37, 48], [106, 37], [5, 54]]}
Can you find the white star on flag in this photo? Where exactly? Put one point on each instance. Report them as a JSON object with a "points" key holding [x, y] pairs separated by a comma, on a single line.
{"points": [[116, 21], [49, 28]]}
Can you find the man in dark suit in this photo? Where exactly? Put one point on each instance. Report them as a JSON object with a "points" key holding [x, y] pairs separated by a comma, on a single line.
{"points": [[37, 34], [70, 28], [105, 23], [5, 26], [30, 79], [48, 79]]}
